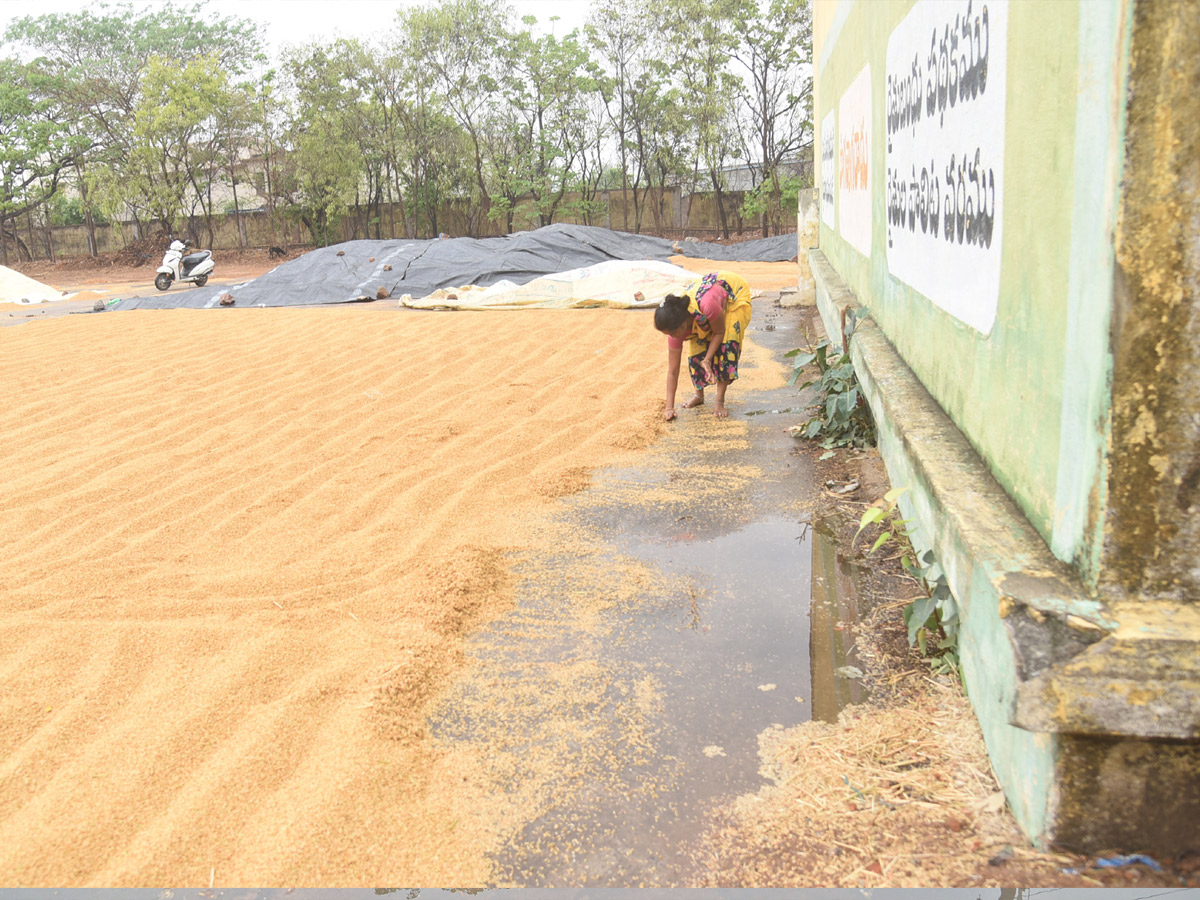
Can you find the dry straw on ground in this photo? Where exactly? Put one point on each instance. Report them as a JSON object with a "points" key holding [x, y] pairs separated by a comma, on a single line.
{"points": [[896, 796]]}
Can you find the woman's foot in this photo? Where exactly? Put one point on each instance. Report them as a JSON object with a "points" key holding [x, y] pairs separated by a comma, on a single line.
{"points": [[720, 411], [697, 399]]}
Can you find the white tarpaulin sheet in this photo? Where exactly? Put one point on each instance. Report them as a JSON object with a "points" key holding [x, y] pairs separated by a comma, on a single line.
{"points": [[18, 288], [616, 284]]}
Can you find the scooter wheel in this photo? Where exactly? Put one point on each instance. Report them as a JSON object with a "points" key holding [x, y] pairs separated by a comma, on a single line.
{"points": [[202, 281], [162, 281]]}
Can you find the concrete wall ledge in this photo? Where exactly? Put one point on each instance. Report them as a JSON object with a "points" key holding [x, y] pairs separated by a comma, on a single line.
{"points": [[975, 512], [1120, 686], [1090, 711], [1075, 670]]}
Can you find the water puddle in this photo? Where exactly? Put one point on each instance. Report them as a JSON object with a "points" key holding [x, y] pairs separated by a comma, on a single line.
{"points": [[728, 645], [725, 646], [835, 665], [676, 612]]}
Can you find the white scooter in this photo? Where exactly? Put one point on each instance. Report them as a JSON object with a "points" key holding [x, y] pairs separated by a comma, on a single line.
{"points": [[195, 267]]}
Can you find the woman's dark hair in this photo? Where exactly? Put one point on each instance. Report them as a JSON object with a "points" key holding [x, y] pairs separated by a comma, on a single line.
{"points": [[673, 313]]}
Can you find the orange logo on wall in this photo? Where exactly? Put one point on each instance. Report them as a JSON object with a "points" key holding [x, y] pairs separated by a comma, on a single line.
{"points": [[853, 174]]}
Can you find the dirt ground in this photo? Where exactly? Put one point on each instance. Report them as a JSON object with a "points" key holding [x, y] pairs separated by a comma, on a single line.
{"points": [[243, 551], [85, 280]]}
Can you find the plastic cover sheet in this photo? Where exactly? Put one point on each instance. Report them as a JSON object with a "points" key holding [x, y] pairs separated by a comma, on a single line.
{"points": [[18, 288], [370, 270], [616, 284]]}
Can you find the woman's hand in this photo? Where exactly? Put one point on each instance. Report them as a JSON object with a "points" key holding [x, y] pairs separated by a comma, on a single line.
{"points": [[668, 414], [707, 367]]}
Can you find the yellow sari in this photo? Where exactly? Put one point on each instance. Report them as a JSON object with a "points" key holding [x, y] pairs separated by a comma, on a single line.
{"points": [[737, 320], [737, 310]]}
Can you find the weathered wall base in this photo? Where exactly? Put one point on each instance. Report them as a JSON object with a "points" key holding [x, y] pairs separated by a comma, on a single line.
{"points": [[1032, 640], [1132, 795]]}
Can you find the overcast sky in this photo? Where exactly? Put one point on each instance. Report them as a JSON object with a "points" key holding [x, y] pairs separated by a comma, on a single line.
{"points": [[300, 21]]}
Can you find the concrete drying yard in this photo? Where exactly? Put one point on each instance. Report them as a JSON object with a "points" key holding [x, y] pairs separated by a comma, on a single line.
{"points": [[248, 555]]}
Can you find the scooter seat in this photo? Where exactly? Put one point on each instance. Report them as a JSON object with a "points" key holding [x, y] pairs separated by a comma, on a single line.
{"points": [[194, 259]]}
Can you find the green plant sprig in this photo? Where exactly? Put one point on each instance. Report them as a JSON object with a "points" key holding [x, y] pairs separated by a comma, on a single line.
{"points": [[932, 619], [843, 418]]}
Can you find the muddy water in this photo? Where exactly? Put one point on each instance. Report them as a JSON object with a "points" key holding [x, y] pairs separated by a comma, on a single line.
{"points": [[834, 627], [626, 728], [727, 653]]}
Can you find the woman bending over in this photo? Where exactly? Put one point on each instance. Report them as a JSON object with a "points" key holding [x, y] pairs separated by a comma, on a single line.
{"points": [[716, 305]]}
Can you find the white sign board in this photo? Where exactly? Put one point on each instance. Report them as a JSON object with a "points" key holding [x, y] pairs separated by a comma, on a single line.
{"points": [[854, 163], [945, 102], [828, 167]]}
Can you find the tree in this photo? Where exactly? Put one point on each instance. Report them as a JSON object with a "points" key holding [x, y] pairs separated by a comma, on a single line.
{"points": [[459, 43], [619, 31], [546, 85], [98, 56], [268, 114], [591, 125], [775, 48], [35, 147], [434, 158], [326, 165], [176, 138], [703, 31], [236, 135]]}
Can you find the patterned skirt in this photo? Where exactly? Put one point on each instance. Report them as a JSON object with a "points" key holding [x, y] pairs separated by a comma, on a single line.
{"points": [[725, 364]]}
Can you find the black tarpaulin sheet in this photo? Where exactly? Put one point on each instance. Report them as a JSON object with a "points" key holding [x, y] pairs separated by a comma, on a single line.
{"points": [[357, 270], [780, 248]]}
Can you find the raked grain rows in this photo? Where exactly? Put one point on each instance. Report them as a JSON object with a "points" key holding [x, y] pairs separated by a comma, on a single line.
{"points": [[238, 553]]}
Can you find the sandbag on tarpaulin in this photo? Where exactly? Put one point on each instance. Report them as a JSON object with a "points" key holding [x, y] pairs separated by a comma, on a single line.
{"points": [[358, 270], [616, 284]]}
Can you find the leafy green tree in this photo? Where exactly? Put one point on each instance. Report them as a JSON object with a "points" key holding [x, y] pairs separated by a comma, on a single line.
{"points": [[593, 130], [64, 210], [666, 144], [432, 157], [700, 34], [384, 84], [174, 125], [546, 88], [236, 137], [619, 32], [459, 42], [775, 49], [376, 128], [325, 162], [265, 138], [97, 57], [35, 147]]}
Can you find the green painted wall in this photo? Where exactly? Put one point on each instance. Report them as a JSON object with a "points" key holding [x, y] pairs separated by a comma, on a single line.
{"points": [[1031, 392], [1051, 359]]}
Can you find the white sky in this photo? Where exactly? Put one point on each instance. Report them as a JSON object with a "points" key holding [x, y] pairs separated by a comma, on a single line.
{"points": [[300, 21]]}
